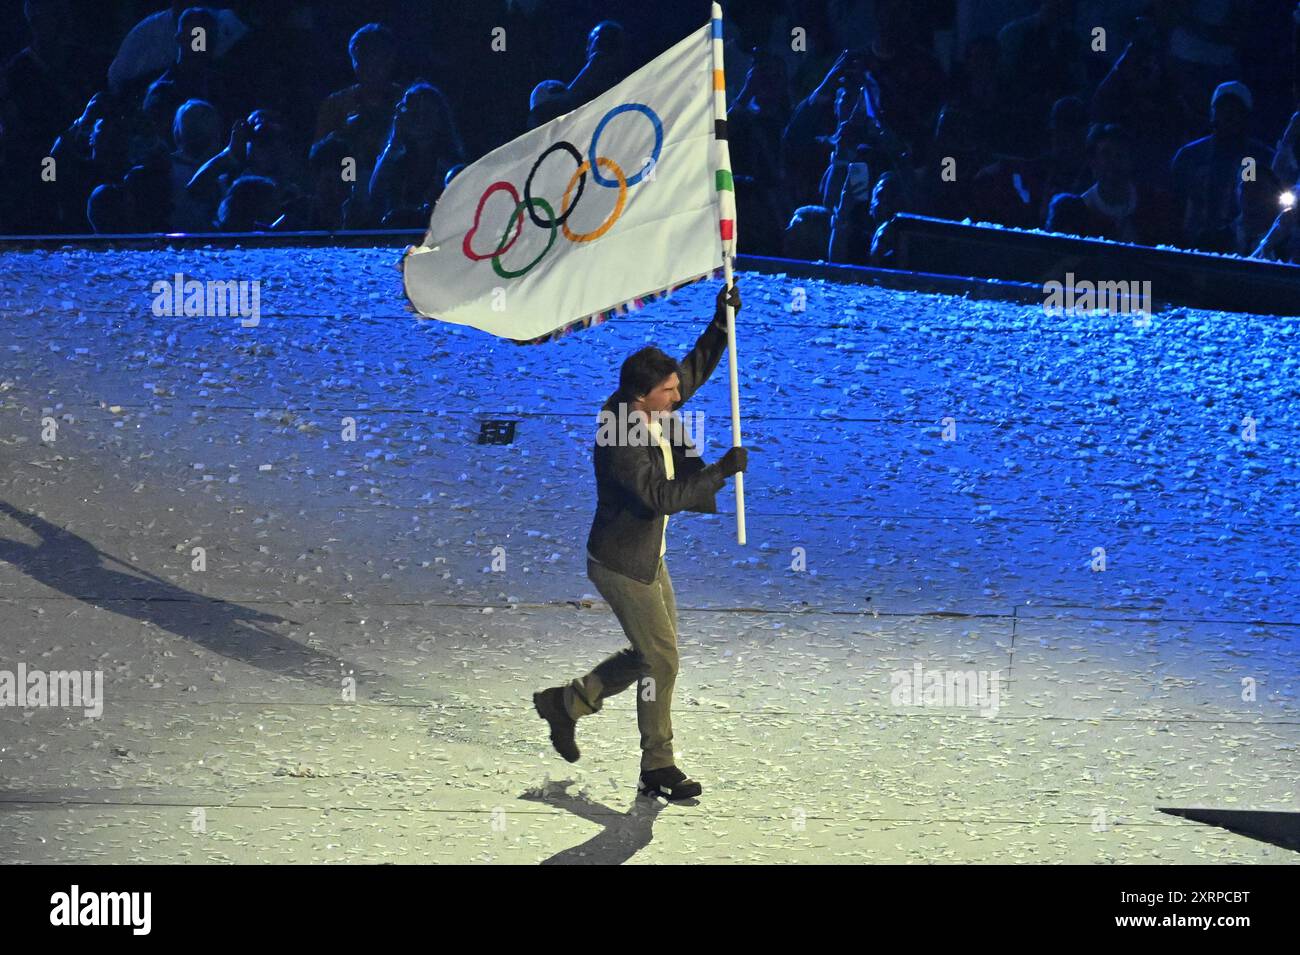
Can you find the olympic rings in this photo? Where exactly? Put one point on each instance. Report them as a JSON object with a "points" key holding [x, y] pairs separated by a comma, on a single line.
{"points": [[557, 224], [495, 187], [528, 185], [613, 216], [600, 128], [496, 259]]}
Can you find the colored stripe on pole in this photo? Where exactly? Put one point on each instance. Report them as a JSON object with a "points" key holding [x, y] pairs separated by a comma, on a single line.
{"points": [[724, 182]]}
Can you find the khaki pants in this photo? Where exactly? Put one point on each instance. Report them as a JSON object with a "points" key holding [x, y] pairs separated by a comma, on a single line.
{"points": [[648, 614]]}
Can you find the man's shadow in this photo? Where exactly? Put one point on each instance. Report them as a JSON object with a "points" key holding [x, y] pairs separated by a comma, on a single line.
{"points": [[623, 835], [69, 563]]}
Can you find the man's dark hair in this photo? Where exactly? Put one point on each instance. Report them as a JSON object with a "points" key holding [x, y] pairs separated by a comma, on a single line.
{"points": [[643, 370]]}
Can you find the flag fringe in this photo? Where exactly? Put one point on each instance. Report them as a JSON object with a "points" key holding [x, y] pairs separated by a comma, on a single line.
{"points": [[631, 305]]}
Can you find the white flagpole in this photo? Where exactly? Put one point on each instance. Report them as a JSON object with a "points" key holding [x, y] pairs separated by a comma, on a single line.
{"points": [[727, 214], [735, 406]]}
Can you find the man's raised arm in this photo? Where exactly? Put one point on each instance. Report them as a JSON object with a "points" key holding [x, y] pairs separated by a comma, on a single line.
{"points": [[704, 357]]}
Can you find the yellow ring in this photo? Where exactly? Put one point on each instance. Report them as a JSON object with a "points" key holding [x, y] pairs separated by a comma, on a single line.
{"points": [[604, 227]]}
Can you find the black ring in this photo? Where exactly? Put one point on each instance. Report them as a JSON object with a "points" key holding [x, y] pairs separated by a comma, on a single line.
{"points": [[528, 185]]}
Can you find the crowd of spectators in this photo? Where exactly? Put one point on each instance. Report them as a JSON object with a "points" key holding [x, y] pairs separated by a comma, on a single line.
{"points": [[1162, 122]]}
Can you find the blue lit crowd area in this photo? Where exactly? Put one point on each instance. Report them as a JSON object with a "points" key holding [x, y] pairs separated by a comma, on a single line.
{"points": [[1155, 122]]}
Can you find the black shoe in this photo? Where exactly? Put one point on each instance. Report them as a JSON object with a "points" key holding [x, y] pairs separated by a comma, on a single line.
{"points": [[669, 782], [550, 707]]}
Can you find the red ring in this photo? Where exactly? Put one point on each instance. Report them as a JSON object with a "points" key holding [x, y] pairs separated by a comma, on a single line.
{"points": [[514, 194]]}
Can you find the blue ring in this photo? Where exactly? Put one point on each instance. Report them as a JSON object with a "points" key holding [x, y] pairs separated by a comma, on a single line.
{"points": [[600, 127]]}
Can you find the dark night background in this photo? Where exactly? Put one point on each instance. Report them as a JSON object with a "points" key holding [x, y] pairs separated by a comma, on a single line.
{"points": [[1010, 89]]}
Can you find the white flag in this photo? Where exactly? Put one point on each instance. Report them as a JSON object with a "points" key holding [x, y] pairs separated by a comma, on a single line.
{"points": [[608, 206]]}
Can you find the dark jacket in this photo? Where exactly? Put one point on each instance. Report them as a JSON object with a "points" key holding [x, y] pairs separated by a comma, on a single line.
{"points": [[633, 492]]}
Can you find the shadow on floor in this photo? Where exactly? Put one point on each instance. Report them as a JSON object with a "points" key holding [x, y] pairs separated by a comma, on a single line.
{"points": [[70, 564], [622, 835]]}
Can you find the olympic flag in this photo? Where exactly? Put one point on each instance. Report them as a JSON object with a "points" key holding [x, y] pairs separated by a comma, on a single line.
{"points": [[598, 211], [593, 214]]}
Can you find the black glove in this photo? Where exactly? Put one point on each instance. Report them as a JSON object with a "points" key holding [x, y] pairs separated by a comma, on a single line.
{"points": [[720, 307], [737, 459]]}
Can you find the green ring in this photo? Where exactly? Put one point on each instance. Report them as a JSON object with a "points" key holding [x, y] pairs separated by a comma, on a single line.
{"points": [[496, 259]]}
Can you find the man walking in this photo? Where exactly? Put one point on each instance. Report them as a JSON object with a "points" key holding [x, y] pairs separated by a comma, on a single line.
{"points": [[641, 478]]}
